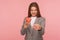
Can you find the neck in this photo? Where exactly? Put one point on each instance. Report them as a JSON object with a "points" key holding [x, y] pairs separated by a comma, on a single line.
{"points": [[33, 16]]}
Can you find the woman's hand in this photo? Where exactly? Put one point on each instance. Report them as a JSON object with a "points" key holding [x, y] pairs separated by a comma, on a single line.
{"points": [[37, 27], [27, 21], [25, 25]]}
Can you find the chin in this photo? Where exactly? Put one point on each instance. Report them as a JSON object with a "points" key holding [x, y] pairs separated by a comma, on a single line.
{"points": [[33, 16]]}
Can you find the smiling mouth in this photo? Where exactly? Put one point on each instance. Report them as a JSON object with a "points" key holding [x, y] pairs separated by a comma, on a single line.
{"points": [[33, 13]]}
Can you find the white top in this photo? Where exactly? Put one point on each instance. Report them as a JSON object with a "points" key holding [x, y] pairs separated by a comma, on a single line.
{"points": [[33, 20]]}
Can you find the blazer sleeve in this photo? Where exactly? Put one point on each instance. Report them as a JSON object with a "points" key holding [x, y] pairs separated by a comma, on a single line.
{"points": [[42, 23], [23, 31]]}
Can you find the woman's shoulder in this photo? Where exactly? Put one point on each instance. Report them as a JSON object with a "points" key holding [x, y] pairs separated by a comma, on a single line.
{"points": [[25, 18], [41, 18]]}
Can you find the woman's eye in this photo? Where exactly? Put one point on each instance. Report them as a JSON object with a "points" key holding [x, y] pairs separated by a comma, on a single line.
{"points": [[33, 10]]}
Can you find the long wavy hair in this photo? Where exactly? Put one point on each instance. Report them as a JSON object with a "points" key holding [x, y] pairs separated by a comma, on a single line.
{"points": [[34, 4]]}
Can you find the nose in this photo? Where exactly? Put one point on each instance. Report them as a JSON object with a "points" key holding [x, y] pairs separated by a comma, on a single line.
{"points": [[33, 11]]}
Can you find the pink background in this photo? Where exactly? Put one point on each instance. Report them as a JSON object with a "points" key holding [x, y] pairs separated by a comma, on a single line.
{"points": [[12, 13]]}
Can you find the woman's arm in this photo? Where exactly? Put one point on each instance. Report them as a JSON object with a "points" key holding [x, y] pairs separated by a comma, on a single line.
{"points": [[23, 30], [42, 23]]}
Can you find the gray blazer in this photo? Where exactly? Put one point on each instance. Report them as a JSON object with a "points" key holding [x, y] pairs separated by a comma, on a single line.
{"points": [[31, 34]]}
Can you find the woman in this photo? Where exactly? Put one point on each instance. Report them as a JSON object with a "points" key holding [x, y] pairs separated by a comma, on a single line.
{"points": [[33, 25]]}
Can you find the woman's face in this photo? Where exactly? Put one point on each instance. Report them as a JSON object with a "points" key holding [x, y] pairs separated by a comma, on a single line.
{"points": [[33, 11]]}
